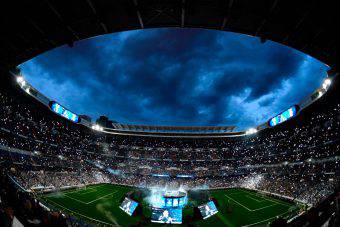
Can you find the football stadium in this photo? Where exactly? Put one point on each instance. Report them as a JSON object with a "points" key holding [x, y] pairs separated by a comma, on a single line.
{"points": [[61, 168]]}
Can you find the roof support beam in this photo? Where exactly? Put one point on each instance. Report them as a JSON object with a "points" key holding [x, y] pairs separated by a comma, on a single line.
{"points": [[36, 26], [264, 21], [138, 14], [296, 27], [183, 14], [226, 18], [312, 40], [299, 23], [68, 27], [102, 24]]}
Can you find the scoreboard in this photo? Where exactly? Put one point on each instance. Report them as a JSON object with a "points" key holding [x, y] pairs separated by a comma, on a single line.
{"points": [[62, 111], [284, 116]]}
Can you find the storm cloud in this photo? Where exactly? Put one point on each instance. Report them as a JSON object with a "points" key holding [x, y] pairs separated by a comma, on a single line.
{"points": [[176, 77]]}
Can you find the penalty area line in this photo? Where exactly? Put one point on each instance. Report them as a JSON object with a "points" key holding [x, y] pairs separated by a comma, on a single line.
{"points": [[267, 197], [279, 215], [71, 211], [265, 207], [251, 210], [101, 197], [257, 200], [75, 199], [238, 203], [80, 191]]}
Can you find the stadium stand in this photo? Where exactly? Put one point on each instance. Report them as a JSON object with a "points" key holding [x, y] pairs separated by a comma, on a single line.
{"points": [[42, 151]]}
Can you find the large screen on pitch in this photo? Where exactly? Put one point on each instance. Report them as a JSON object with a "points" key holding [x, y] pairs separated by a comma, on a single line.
{"points": [[284, 116], [208, 209], [166, 215], [57, 108], [128, 206]]}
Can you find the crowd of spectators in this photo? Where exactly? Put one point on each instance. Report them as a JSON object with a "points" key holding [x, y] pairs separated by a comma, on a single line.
{"points": [[55, 180], [19, 208]]}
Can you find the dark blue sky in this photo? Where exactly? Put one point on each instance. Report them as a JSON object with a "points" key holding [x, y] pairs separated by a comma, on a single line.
{"points": [[176, 77]]}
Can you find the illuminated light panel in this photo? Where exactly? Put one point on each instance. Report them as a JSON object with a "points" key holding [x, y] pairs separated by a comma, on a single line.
{"points": [[284, 116], [97, 128], [327, 82], [20, 79], [251, 131], [184, 176], [160, 175], [57, 108]]}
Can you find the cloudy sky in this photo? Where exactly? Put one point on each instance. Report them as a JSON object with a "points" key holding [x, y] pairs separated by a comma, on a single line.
{"points": [[176, 77]]}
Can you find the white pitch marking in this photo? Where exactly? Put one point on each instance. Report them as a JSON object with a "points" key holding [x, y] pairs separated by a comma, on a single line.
{"points": [[238, 203], [81, 190], [101, 197], [274, 201], [235, 193], [88, 192], [250, 197], [82, 214], [252, 210], [264, 207], [266, 219], [279, 203], [75, 199]]}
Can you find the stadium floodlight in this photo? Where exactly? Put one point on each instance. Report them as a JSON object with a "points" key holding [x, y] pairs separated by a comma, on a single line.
{"points": [[327, 82], [27, 90], [97, 128], [21, 81], [251, 131]]}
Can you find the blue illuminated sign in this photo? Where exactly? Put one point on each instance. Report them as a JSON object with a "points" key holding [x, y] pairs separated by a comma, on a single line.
{"points": [[55, 107], [284, 116], [184, 176], [113, 171], [160, 175]]}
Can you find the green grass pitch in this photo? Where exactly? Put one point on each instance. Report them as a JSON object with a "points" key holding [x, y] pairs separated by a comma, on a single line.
{"points": [[237, 207]]}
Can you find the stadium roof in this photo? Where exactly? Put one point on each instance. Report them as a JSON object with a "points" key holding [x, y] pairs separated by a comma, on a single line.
{"points": [[173, 129], [30, 28]]}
